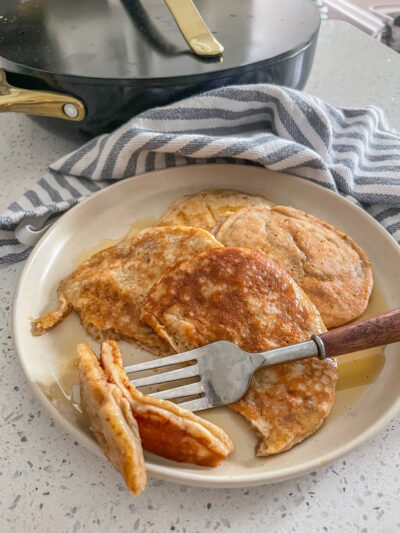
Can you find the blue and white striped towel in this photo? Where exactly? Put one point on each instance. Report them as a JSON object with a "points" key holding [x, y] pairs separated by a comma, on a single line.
{"points": [[350, 151]]}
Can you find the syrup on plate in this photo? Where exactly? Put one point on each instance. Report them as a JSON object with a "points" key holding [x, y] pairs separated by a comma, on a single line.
{"points": [[106, 243]]}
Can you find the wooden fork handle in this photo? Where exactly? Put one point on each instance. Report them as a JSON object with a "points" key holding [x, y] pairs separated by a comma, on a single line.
{"points": [[376, 331]]}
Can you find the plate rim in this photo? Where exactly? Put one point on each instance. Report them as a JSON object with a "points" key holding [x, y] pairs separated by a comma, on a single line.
{"points": [[165, 471]]}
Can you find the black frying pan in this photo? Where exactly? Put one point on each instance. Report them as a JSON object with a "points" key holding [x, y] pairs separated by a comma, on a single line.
{"points": [[98, 62]]}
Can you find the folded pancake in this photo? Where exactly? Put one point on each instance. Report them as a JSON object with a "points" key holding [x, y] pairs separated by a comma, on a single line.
{"points": [[242, 296], [206, 208], [165, 428], [108, 289], [111, 420], [327, 264]]}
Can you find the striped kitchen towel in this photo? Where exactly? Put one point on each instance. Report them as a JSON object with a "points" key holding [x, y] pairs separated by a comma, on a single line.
{"points": [[350, 151]]}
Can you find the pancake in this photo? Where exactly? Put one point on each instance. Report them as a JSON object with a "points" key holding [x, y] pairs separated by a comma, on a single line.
{"points": [[165, 428], [327, 264], [108, 289], [111, 420], [206, 208], [242, 296]]}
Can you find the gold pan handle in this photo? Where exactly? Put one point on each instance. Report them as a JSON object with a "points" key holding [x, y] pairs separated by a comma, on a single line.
{"points": [[44, 103], [193, 28]]}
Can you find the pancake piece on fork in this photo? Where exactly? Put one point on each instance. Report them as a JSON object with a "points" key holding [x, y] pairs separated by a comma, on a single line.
{"points": [[207, 208], [111, 420], [240, 295], [123, 420], [108, 289], [329, 266]]}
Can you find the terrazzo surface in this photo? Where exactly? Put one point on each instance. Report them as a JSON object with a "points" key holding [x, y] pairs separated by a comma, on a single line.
{"points": [[49, 483]]}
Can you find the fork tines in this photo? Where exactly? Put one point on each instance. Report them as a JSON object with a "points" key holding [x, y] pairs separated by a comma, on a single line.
{"points": [[172, 375]]}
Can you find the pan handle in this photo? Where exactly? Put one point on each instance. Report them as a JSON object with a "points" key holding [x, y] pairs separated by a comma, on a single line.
{"points": [[193, 28], [44, 103]]}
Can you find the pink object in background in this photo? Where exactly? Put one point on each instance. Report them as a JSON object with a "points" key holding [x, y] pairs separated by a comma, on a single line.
{"points": [[379, 19]]}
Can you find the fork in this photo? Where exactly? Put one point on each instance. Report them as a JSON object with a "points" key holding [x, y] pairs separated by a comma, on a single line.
{"points": [[225, 370]]}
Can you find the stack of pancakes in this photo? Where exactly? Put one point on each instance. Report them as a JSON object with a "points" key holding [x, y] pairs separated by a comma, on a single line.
{"points": [[225, 265]]}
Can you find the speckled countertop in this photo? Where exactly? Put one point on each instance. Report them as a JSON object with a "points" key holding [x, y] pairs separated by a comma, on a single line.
{"points": [[50, 483]]}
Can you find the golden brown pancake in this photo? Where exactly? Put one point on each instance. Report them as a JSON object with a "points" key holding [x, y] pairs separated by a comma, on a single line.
{"points": [[108, 289], [111, 420], [206, 208], [327, 264], [287, 403], [242, 296], [165, 428]]}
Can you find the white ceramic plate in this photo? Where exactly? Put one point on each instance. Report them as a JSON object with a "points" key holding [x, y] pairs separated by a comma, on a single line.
{"points": [[368, 394]]}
